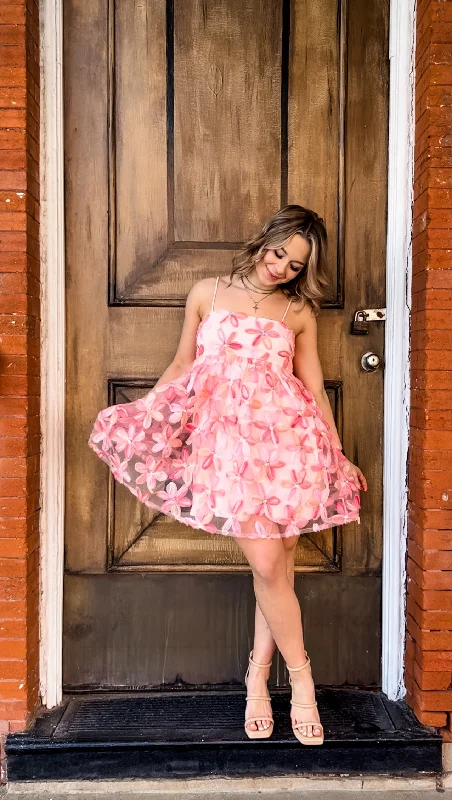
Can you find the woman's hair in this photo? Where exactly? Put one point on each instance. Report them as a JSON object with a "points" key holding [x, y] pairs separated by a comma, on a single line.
{"points": [[307, 284]]}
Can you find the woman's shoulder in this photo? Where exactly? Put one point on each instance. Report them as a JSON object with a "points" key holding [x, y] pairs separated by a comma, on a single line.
{"points": [[202, 288], [301, 314], [201, 294]]}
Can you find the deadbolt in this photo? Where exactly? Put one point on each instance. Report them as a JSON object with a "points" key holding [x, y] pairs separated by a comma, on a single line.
{"points": [[370, 362]]}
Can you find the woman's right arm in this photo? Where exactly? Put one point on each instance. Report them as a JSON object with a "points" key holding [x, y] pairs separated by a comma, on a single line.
{"points": [[186, 351]]}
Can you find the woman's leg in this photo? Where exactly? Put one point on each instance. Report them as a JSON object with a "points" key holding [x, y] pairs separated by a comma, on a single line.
{"points": [[281, 610], [264, 643]]}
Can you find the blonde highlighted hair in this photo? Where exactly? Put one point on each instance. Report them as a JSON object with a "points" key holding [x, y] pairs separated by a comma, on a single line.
{"points": [[308, 284]]}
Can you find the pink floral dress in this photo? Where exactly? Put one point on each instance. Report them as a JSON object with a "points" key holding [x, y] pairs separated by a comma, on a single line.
{"points": [[235, 445]]}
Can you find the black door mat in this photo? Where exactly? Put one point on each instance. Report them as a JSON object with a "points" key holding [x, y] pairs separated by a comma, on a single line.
{"points": [[195, 734]]}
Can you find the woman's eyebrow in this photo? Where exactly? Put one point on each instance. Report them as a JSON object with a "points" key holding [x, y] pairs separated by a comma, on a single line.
{"points": [[302, 263]]}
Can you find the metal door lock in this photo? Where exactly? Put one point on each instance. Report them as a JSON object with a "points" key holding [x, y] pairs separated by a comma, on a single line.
{"points": [[359, 324], [370, 362]]}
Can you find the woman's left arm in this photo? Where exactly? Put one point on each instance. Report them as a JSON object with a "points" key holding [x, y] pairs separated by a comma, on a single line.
{"points": [[308, 369]]}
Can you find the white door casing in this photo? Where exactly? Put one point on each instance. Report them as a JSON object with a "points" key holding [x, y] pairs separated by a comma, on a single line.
{"points": [[396, 397]]}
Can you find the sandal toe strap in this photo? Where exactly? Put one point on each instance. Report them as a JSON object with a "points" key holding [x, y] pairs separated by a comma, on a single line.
{"points": [[303, 725], [255, 719]]}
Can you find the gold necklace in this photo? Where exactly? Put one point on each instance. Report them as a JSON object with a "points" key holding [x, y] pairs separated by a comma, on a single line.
{"points": [[256, 288], [256, 302]]}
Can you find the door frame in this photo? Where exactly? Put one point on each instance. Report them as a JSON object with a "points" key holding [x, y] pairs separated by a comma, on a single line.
{"points": [[396, 385]]}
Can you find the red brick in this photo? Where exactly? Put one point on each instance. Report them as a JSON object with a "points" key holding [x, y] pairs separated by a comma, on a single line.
{"points": [[434, 660], [12, 14], [408, 682], [434, 719], [17, 726], [430, 559], [430, 360], [13, 690], [430, 399], [13, 567], [428, 518], [432, 700], [12, 648], [13, 628], [427, 299], [431, 680], [434, 580], [427, 459], [436, 540], [429, 620], [12, 548], [12, 588], [424, 379], [427, 339], [419, 418], [12, 708]]}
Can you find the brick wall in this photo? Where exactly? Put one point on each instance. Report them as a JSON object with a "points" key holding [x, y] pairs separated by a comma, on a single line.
{"points": [[19, 363], [429, 601]]}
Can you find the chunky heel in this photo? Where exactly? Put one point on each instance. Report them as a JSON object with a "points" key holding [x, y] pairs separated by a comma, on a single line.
{"points": [[268, 731], [296, 728]]}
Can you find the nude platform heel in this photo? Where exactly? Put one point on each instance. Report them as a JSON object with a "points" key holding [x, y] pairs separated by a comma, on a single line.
{"points": [[314, 739], [250, 733]]}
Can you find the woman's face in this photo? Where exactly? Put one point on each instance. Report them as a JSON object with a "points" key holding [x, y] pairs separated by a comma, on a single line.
{"points": [[284, 263]]}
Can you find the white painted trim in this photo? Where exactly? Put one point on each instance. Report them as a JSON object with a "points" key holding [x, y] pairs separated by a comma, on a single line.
{"points": [[397, 344], [52, 352], [396, 397]]}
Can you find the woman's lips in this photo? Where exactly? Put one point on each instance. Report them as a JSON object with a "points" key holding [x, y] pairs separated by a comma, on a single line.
{"points": [[270, 274]]}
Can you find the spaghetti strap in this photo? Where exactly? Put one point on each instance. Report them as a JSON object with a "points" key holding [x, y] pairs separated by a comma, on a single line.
{"points": [[287, 308], [215, 292]]}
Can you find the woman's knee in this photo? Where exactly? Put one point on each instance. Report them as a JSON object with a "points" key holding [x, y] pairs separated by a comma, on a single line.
{"points": [[266, 557], [270, 569], [290, 544]]}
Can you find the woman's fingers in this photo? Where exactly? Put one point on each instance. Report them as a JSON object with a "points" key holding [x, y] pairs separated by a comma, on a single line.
{"points": [[362, 480], [356, 473], [351, 470]]}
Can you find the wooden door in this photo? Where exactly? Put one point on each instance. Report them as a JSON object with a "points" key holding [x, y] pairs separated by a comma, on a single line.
{"points": [[187, 124]]}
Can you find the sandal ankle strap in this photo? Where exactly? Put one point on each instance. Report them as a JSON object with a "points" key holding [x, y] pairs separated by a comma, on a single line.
{"points": [[258, 697], [303, 666], [256, 663], [302, 705]]}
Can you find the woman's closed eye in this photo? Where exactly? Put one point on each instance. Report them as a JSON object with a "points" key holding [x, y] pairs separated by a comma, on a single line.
{"points": [[295, 267]]}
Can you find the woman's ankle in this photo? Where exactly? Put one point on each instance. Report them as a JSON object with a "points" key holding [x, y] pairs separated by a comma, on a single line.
{"points": [[262, 656]]}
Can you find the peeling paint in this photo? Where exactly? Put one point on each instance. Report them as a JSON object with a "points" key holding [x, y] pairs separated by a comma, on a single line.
{"points": [[397, 378]]}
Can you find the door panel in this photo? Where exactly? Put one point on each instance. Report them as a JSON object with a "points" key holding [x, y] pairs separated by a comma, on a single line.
{"points": [[110, 617], [186, 125]]}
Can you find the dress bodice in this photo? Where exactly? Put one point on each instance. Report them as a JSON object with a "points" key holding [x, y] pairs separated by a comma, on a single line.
{"points": [[230, 335]]}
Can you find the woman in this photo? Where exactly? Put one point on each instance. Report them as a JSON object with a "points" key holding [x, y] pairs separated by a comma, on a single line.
{"points": [[238, 438]]}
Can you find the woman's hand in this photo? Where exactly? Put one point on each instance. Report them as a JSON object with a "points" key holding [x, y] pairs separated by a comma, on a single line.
{"points": [[351, 470]]}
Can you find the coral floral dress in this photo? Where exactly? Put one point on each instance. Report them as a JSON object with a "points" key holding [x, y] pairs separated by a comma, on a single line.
{"points": [[235, 445]]}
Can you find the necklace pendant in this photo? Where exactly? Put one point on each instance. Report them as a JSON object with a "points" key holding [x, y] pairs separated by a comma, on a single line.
{"points": [[255, 306]]}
